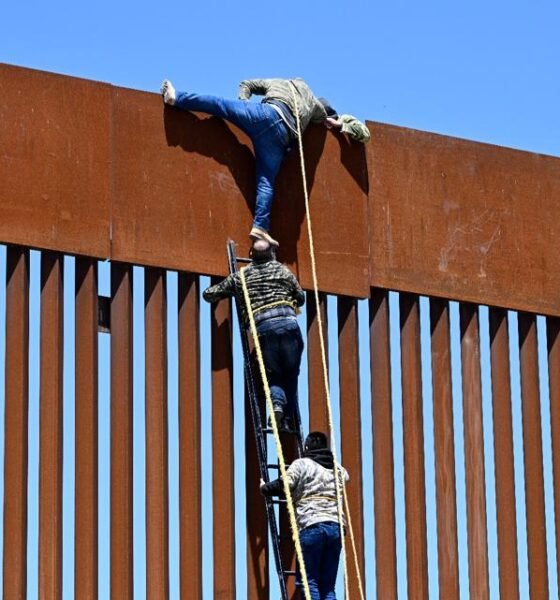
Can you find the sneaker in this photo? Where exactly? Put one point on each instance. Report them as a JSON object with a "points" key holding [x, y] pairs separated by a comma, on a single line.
{"points": [[168, 92], [278, 417], [287, 425], [257, 233]]}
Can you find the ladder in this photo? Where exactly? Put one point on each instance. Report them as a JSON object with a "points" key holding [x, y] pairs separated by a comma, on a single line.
{"points": [[261, 429]]}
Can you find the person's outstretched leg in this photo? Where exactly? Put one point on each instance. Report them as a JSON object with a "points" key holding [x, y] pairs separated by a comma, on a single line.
{"points": [[270, 150], [246, 115]]}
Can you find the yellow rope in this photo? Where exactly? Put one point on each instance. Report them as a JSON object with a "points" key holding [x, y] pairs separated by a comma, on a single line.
{"points": [[325, 368], [279, 452], [291, 303], [353, 542]]}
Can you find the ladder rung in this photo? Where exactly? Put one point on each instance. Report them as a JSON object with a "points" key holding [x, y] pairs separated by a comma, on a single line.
{"points": [[279, 501], [244, 260], [277, 466], [271, 431], [289, 573]]}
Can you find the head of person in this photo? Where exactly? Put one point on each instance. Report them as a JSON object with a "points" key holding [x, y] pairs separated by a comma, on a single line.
{"points": [[316, 440], [261, 251], [329, 109]]}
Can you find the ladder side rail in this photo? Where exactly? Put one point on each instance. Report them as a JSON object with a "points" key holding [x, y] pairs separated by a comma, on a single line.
{"points": [[257, 427]]}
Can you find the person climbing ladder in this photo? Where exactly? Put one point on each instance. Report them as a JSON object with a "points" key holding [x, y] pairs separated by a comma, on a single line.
{"points": [[312, 481], [275, 293], [271, 125]]}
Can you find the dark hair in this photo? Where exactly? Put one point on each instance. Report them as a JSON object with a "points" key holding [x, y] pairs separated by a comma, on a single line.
{"points": [[316, 440], [262, 251], [331, 112]]}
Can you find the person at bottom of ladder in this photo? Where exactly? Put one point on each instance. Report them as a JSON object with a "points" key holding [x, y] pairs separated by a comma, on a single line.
{"points": [[312, 481], [271, 125], [274, 292]]}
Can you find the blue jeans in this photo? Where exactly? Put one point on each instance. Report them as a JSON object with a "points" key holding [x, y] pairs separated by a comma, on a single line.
{"points": [[282, 346], [321, 548], [268, 132]]}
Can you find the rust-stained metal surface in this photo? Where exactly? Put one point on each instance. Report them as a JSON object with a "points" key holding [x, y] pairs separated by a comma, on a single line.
{"points": [[533, 457], [503, 455], [222, 451], [184, 184], [50, 445], [104, 172], [86, 576], [351, 439], [157, 490], [318, 417], [287, 551], [464, 220], [55, 161], [413, 433], [16, 407], [383, 467], [474, 451], [257, 525], [88, 168], [190, 512], [448, 559], [121, 433]]}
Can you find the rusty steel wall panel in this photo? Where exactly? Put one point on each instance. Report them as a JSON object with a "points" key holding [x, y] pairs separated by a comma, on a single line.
{"points": [[222, 451], [121, 433], [413, 433], [172, 186], [474, 452], [184, 184], [503, 455], [55, 160], [190, 476], [464, 220], [85, 534], [533, 456], [444, 214], [337, 179], [383, 467], [50, 444], [179, 185], [446, 499], [350, 430], [553, 345], [318, 416], [255, 512], [16, 407], [157, 489]]}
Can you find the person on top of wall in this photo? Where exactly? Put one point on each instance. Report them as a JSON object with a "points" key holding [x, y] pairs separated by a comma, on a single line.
{"points": [[313, 486], [274, 293], [271, 125]]}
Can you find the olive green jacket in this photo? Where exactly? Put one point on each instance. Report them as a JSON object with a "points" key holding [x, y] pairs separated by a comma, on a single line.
{"points": [[309, 107]]}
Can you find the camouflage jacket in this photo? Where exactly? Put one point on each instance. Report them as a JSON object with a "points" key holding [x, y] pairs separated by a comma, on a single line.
{"points": [[267, 282], [309, 107]]}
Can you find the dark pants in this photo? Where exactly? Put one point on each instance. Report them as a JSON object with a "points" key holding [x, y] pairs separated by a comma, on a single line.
{"points": [[282, 346], [268, 132], [321, 548]]}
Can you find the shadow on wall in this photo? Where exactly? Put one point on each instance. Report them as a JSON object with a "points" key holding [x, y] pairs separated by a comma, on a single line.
{"points": [[211, 137]]}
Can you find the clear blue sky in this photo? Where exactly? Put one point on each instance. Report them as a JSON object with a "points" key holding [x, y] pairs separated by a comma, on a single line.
{"points": [[480, 70]]}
